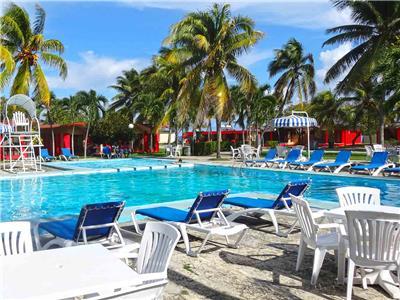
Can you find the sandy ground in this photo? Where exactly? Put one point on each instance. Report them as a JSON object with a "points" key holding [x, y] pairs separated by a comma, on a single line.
{"points": [[263, 267]]}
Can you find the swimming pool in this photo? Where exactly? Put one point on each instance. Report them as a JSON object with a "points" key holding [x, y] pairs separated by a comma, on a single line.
{"points": [[112, 163], [53, 196]]}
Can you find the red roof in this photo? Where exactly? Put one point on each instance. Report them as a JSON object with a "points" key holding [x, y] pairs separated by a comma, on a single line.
{"points": [[77, 124]]}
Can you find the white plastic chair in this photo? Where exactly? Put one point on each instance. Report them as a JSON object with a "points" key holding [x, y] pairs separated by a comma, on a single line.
{"points": [[374, 241], [311, 237], [177, 151], [379, 148], [235, 153], [20, 120], [15, 238], [369, 151], [358, 195], [282, 151], [246, 152], [157, 245]]}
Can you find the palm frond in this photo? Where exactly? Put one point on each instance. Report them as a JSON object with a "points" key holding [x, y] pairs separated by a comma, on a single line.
{"points": [[55, 61], [38, 24], [41, 89]]}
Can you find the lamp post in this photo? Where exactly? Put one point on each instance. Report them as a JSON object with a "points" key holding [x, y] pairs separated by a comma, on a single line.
{"points": [[131, 126]]}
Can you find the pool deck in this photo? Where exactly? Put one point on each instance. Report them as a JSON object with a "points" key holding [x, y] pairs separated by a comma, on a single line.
{"points": [[262, 268]]}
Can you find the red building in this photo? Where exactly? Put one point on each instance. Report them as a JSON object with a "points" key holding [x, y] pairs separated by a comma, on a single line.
{"points": [[63, 138]]}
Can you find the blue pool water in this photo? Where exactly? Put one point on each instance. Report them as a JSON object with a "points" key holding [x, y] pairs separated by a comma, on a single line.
{"points": [[61, 195], [112, 163]]}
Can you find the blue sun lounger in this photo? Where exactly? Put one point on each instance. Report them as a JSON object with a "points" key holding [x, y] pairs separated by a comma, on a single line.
{"points": [[269, 158], [341, 161], [379, 162], [205, 216], [391, 171], [45, 156], [96, 223], [282, 204], [316, 157], [293, 156], [67, 155]]}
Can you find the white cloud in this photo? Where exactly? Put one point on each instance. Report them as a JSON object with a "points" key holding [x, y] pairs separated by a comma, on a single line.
{"points": [[254, 56], [328, 58], [93, 71], [299, 13]]}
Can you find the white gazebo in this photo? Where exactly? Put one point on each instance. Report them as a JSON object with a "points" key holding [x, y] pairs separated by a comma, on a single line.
{"points": [[298, 119]]}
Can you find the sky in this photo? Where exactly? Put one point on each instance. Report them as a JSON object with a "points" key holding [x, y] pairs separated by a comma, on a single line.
{"points": [[102, 39]]}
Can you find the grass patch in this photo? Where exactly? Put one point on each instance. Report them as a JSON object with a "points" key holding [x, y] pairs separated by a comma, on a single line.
{"points": [[189, 268]]}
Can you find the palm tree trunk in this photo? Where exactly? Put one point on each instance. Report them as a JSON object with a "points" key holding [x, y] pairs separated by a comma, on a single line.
{"points": [[243, 135], [151, 141], [218, 121], [257, 136], [382, 129], [53, 144], [209, 130], [169, 135], [176, 135], [72, 139], [86, 139]]}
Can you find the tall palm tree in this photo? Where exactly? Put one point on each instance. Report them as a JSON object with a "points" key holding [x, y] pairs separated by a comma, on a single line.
{"points": [[72, 106], [208, 44], [376, 25], [92, 106], [297, 73], [28, 48], [150, 111], [328, 111], [128, 88], [262, 108], [241, 110]]}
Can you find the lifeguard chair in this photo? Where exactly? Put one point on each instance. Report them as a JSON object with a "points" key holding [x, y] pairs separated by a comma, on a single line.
{"points": [[20, 136]]}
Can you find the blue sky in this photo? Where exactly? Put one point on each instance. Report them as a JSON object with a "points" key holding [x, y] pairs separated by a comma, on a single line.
{"points": [[103, 38]]}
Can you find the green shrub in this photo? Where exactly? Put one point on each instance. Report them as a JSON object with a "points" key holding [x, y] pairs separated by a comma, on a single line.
{"points": [[272, 144], [205, 148]]}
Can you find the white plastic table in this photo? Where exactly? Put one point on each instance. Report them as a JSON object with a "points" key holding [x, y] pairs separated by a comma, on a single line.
{"points": [[63, 273], [383, 278]]}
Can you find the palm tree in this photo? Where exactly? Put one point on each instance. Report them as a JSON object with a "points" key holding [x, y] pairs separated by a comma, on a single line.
{"points": [[92, 106], [150, 111], [241, 109], [128, 88], [208, 44], [328, 111], [262, 108], [376, 26], [28, 47], [7, 66], [72, 105], [297, 73]]}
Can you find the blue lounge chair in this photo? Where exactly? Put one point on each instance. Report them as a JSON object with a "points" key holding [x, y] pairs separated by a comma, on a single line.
{"points": [[45, 156], [379, 162], [341, 161], [282, 204], [293, 156], [391, 171], [316, 157], [67, 155], [96, 223], [269, 158], [204, 216]]}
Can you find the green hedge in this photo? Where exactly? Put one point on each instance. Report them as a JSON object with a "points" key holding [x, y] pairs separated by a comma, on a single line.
{"points": [[205, 148]]}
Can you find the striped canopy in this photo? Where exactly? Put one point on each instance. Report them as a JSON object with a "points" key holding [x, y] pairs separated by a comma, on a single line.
{"points": [[294, 121]]}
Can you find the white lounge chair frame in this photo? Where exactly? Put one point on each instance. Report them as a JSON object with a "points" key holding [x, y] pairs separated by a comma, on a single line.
{"points": [[15, 238], [321, 243], [336, 171], [374, 241], [271, 212], [219, 225], [115, 241]]}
